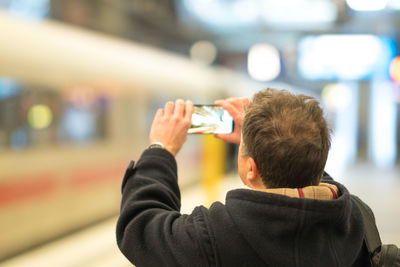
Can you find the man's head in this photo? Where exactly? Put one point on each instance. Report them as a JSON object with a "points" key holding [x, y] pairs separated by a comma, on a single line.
{"points": [[286, 137]]}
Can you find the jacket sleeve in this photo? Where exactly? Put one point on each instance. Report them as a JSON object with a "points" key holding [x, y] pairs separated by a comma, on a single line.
{"points": [[150, 230]]}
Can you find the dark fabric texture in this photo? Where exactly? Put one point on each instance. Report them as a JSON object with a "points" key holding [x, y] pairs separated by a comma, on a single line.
{"points": [[381, 254], [252, 228]]}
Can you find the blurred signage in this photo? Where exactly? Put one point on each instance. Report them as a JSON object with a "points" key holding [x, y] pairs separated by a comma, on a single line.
{"points": [[345, 57], [220, 15]]}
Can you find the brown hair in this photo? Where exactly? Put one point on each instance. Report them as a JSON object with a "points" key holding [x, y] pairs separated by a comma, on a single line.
{"points": [[288, 137]]}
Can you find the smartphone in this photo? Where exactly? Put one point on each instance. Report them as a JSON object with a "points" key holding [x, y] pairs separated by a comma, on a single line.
{"points": [[211, 119]]}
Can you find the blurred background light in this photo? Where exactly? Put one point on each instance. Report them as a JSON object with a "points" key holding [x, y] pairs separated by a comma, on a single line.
{"points": [[367, 5], [39, 117], [292, 12], [220, 15], [336, 96], [246, 10], [263, 62], [203, 52], [350, 57], [395, 70], [342, 101], [383, 124]]}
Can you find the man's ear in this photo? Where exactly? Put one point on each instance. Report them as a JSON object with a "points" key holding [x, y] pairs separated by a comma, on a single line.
{"points": [[253, 171]]}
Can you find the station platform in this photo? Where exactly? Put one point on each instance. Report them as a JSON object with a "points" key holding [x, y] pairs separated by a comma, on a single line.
{"points": [[96, 246]]}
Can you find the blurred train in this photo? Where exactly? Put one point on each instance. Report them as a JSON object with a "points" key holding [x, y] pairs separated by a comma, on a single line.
{"points": [[75, 108]]}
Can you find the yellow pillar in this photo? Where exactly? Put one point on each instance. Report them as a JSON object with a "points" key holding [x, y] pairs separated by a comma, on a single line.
{"points": [[214, 160]]}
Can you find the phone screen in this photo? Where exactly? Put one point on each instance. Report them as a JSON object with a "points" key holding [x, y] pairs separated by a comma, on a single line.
{"points": [[211, 119]]}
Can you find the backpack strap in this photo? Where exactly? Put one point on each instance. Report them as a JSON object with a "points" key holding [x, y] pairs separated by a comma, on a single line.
{"points": [[371, 233]]}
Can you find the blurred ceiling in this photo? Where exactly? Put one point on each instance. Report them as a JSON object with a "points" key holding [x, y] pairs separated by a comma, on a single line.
{"points": [[153, 22], [232, 25]]}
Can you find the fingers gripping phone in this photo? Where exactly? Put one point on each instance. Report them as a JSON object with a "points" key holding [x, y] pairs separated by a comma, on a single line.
{"points": [[211, 119]]}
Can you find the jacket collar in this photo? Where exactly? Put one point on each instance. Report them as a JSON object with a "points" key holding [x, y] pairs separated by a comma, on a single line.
{"points": [[323, 191]]}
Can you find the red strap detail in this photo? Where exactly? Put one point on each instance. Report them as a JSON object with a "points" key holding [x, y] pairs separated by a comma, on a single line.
{"points": [[333, 192], [301, 194]]}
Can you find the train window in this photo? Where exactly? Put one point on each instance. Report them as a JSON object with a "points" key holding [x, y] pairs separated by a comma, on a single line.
{"points": [[83, 116], [37, 9], [33, 116]]}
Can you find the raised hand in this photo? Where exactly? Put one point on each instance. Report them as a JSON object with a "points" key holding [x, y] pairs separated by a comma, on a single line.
{"points": [[235, 107], [170, 125]]}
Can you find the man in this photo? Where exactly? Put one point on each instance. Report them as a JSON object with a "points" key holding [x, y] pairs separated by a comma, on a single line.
{"points": [[287, 217]]}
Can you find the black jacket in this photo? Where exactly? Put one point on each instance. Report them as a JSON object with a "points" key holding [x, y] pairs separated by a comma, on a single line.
{"points": [[253, 228]]}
